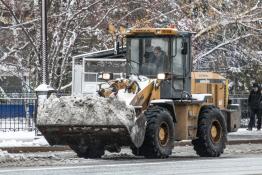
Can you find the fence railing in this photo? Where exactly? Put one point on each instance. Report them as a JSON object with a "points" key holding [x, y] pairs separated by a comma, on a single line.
{"points": [[18, 113]]}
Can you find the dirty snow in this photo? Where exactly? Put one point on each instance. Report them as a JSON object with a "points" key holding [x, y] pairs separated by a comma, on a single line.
{"points": [[70, 158], [90, 110], [6, 157], [18, 139], [85, 110]]}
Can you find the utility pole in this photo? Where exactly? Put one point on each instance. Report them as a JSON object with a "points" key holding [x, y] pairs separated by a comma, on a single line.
{"points": [[43, 90], [44, 40]]}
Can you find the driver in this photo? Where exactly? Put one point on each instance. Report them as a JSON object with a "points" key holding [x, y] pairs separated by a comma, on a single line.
{"points": [[155, 61], [159, 59]]}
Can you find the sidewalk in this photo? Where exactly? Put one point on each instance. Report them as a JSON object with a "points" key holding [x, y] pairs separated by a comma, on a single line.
{"points": [[244, 134]]}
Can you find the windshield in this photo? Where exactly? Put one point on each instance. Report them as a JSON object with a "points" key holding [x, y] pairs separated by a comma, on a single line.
{"points": [[148, 56]]}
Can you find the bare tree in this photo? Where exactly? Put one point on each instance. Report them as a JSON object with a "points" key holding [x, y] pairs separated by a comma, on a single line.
{"points": [[225, 31]]}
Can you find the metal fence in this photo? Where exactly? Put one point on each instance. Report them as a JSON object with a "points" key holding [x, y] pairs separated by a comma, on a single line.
{"points": [[18, 112]]}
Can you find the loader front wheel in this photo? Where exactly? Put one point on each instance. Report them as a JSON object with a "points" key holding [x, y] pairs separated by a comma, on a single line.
{"points": [[211, 133], [87, 152], [159, 137]]}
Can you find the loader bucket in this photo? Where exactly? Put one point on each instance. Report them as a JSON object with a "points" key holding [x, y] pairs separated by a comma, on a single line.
{"points": [[67, 135], [90, 121]]}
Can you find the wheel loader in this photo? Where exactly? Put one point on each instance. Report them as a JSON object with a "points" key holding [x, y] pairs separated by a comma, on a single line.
{"points": [[171, 102]]}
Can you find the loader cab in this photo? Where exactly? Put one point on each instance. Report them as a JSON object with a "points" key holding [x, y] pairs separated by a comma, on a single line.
{"points": [[154, 51]]}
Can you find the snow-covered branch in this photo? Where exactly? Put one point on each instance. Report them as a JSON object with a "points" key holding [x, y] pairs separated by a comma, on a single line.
{"points": [[66, 86], [198, 58]]}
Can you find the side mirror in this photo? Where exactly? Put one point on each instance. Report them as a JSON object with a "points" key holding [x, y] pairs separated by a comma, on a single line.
{"points": [[184, 48]]}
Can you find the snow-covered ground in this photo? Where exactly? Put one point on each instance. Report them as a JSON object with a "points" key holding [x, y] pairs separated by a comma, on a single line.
{"points": [[18, 139], [21, 138], [24, 138], [244, 132], [69, 158]]}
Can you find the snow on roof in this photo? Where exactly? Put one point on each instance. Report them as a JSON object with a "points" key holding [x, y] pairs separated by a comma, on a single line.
{"points": [[44, 88]]}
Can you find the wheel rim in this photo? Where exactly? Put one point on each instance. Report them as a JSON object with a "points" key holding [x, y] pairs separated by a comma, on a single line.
{"points": [[163, 135], [215, 131]]}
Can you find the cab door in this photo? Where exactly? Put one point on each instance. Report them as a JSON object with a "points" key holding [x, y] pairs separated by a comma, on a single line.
{"points": [[181, 66]]}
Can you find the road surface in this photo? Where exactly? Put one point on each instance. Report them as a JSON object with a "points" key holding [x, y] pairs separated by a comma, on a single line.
{"points": [[237, 159], [223, 166]]}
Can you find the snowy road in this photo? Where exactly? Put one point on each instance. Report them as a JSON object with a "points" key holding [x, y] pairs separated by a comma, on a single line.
{"points": [[237, 159], [244, 165]]}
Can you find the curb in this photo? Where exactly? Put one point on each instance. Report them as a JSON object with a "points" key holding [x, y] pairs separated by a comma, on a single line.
{"points": [[34, 149], [236, 142]]}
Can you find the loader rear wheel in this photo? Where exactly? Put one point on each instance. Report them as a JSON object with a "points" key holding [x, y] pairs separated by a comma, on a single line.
{"points": [[211, 133], [87, 152], [159, 137]]}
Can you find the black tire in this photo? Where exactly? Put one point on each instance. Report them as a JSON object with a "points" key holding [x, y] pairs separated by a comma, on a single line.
{"points": [[87, 152], [211, 133], [159, 136]]}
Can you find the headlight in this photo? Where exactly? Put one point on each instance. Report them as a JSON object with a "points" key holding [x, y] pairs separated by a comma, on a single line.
{"points": [[107, 76], [161, 76], [164, 76]]}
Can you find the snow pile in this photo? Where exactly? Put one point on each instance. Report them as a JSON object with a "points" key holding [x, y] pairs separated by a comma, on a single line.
{"points": [[91, 111], [7, 157], [85, 110]]}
